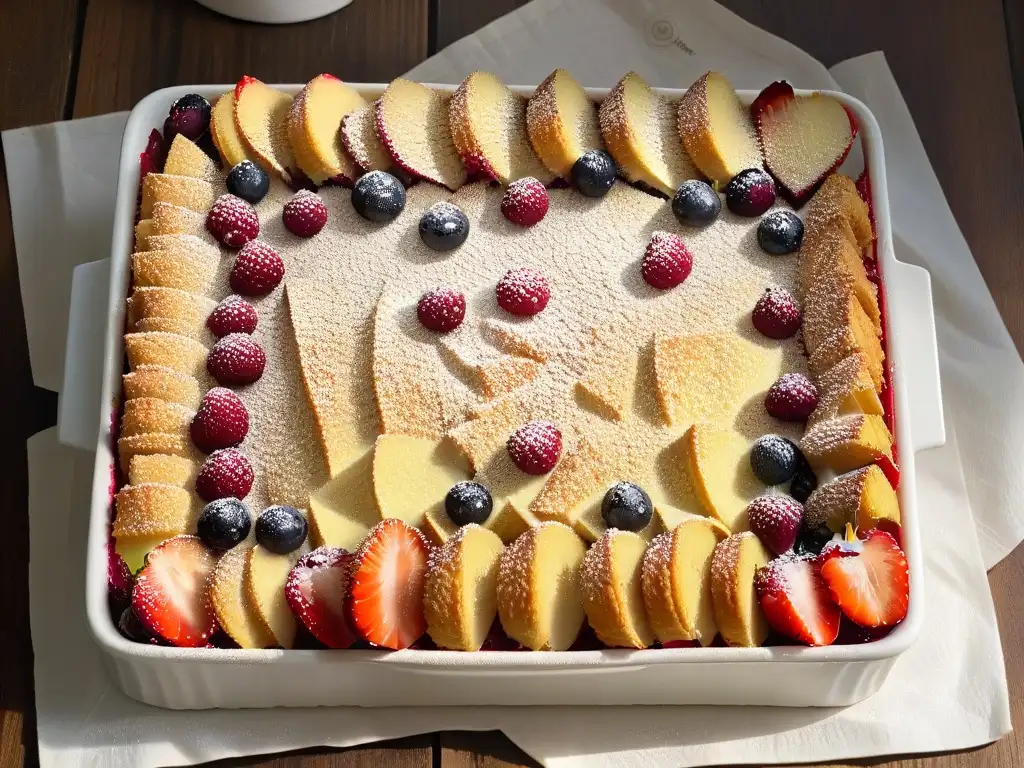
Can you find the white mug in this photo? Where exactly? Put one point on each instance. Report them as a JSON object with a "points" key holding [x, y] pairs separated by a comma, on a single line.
{"points": [[275, 11]]}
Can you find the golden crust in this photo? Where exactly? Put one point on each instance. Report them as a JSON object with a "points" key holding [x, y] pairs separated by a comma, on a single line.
{"points": [[144, 445], [145, 415], [153, 510], [165, 383], [166, 470], [737, 610], [561, 121], [612, 594], [179, 353], [186, 191], [232, 605]]}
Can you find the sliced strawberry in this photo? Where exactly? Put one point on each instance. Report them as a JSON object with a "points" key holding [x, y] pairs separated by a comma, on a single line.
{"points": [[774, 96], [796, 601], [872, 588], [316, 590], [890, 470], [172, 596], [386, 591]]}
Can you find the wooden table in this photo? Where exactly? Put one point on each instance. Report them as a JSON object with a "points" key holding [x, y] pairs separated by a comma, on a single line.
{"points": [[959, 64]]}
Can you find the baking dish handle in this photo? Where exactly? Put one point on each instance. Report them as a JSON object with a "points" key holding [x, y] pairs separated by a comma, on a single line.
{"points": [[78, 415], [915, 320]]}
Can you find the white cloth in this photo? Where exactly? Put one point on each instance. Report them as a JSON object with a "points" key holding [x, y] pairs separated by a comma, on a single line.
{"points": [[949, 688]]}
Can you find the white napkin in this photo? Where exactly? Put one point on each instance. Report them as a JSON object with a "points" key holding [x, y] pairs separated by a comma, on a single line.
{"points": [[949, 689]]}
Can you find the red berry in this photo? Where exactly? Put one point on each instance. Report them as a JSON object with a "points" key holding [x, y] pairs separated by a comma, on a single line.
{"points": [[667, 261], [257, 270], [316, 592], [236, 359], [305, 214], [796, 600], [872, 587], [232, 221], [152, 158], [171, 597], [776, 314], [525, 202], [775, 519], [119, 581], [535, 447], [792, 398], [523, 291], [224, 474], [222, 421], [233, 315], [441, 309]]}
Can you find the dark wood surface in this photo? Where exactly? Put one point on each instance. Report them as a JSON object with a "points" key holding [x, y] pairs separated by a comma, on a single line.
{"points": [[959, 64]]}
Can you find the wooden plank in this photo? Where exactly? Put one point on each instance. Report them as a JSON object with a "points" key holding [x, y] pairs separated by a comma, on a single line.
{"points": [[482, 749], [1013, 10], [133, 47], [35, 68], [412, 752], [458, 18]]}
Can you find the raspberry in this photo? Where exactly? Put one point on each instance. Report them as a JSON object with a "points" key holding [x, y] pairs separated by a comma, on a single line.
{"points": [[305, 214], [535, 447], [233, 315], [776, 314], [257, 270], [792, 398], [226, 473], [236, 359], [232, 221], [441, 309], [525, 202], [523, 291], [775, 519], [667, 261], [222, 421]]}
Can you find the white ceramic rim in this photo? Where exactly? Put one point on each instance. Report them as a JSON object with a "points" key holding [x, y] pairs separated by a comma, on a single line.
{"points": [[149, 113]]}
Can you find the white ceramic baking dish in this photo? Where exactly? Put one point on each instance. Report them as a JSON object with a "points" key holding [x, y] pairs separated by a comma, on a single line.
{"points": [[782, 676]]}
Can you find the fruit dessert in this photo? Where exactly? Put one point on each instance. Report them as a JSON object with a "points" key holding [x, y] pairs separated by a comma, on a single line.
{"points": [[477, 371]]}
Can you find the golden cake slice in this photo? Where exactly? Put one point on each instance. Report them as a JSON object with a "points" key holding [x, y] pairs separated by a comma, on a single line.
{"points": [[170, 303], [857, 338], [225, 134], [579, 475], [847, 387], [716, 129], [737, 612], [512, 341], [344, 510], [265, 575], [491, 377], [412, 475], [485, 434], [561, 121], [169, 350], [261, 116], [836, 202], [145, 415], [676, 580], [143, 231], [846, 443], [179, 269], [185, 158], [862, 498], [191, 244], [719, 464], [709, 376], [171, 219], [166, 470], [165, 383], [185, 191], [359, 138], [540, 602], [639, 128], [460, 595], [488, 127], [231, 604], [314, 123], [413, 126], [612, 591], [608, 387], [153, 510], [831, 258], [192, 329], [148, 444], [831, 304]]}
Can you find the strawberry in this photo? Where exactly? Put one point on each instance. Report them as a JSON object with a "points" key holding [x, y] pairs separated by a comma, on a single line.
{"points": [[258, 269], [523, 291], [774, 97], [171, 595], [119, 581], [667, 261], [525, 202], [890, 469], [305, 214], [796, 601], [236, 359], [386, 588], [873, 587], [793, 397], [535, 447], [442, 309], [233, 315], [316, 590], [222, 421], [224, 474], [232, 221], [776, 314]]}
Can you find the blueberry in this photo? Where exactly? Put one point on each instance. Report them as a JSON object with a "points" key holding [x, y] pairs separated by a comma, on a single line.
{"points": [[774, 459], [812, 540], [443, 227], [224, 523], [191, 101], [131, 627], [468, 503], [378, 196], [804, 482], [189, 116], [627, 507], [696, 204], [780, 232], [594, 173], [750, 193], [280, 529], [248, 181]]}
